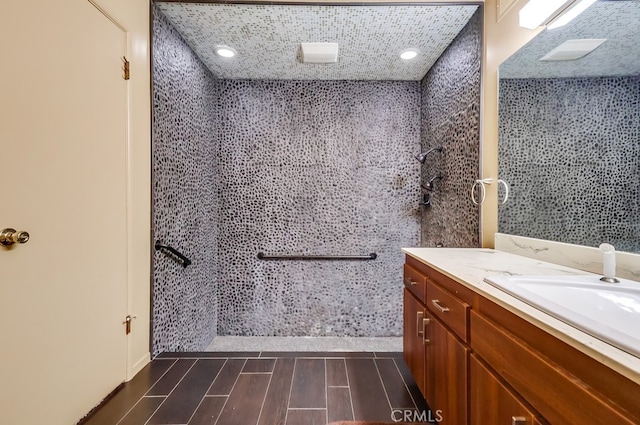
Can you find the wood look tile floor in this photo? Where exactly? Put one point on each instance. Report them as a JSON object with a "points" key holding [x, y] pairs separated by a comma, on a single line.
{"points": [[264, 389]]}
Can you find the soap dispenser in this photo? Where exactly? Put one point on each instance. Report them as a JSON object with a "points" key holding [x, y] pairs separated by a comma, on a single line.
{"points": [[608, 263]]}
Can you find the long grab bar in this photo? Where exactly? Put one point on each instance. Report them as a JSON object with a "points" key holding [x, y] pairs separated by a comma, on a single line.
{"points": [[263, 256], [185, 261]]}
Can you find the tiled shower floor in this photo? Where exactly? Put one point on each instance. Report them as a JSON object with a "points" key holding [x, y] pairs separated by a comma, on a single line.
{"points": [[269, 343]]}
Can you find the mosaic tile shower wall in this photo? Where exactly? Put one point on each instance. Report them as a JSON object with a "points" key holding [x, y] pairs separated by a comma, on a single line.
{"points": [[451, 118], [300, 167], [321, 167], [570, 150], [185, 197]]}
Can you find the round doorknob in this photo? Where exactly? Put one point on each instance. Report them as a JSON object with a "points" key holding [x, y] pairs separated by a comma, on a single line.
{"points": [[10, 236]]}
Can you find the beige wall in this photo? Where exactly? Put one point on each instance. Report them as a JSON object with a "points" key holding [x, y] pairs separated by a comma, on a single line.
{"points": [[134, 16]]}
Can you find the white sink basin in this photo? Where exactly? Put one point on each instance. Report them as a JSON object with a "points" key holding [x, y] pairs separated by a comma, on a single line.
{"points": [[607, 311]]}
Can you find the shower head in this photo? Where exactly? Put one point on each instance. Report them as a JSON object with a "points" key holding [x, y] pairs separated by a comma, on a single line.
{"points": [[423, 156]]}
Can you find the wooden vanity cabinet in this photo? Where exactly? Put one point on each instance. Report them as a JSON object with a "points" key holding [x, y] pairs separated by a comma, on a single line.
{"points": [[563, 384], [484, 365]]}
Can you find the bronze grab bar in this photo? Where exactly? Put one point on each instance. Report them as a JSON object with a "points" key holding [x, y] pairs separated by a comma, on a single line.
{"points": [[263, 256], [185, 261]]}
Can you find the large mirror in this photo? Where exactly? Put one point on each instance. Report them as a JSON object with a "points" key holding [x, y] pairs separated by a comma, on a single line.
{"points": [[569, 131]]}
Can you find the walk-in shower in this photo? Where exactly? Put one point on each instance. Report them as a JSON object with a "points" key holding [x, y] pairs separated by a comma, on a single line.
{"points": [[292, 163]]}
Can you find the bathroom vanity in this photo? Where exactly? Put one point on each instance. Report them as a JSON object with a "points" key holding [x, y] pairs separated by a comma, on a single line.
{"points": [[481, 356]]}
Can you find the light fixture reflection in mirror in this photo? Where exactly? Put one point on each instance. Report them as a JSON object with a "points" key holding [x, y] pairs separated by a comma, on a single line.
{"points": [[536, 12], [569, 133], [570, 14]]}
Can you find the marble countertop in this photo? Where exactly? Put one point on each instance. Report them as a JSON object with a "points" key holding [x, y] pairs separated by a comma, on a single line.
{"points": [[469, 266]]}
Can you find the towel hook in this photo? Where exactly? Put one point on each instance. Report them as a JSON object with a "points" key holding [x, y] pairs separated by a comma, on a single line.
{"points": [[483, 190]]}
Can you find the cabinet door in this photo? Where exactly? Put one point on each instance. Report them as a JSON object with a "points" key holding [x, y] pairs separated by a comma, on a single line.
{"points": [[413, 349], [447, 374], [492, 402]]}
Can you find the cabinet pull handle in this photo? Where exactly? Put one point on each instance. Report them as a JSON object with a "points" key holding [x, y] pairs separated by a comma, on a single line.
{"points": [[419, 328], [518, 420], [410, 282], [439, 307], [425, 322]]}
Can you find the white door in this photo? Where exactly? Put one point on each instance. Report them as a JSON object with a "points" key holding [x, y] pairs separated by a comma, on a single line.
{"points": [[63, 136]]}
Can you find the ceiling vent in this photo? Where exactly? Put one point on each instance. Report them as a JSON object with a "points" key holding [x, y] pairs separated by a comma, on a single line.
{"points": [[573, 49], [319, 52]]}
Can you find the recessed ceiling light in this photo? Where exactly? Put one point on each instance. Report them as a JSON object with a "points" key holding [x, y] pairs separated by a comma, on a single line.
{"points": [[407, 54], [225, 51]]}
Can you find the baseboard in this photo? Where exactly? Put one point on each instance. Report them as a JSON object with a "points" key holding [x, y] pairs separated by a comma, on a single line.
{"points": [[104, 401], [137, 366]]}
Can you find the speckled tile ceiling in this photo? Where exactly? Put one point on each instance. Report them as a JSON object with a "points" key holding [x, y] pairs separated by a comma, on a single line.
{"points": [[267, 38], [617, 21]]}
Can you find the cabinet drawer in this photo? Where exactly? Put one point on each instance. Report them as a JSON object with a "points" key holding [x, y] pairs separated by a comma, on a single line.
{"points": [[415, 282], [559, 396], [493, 402], [447, 307]]}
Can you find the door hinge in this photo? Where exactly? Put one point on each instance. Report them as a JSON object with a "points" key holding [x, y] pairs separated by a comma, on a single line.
{"points": [[127, 323], [125, 68]]}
